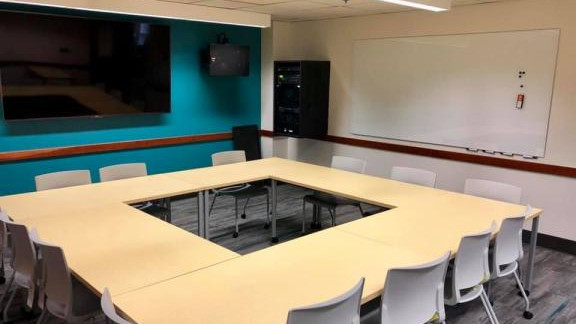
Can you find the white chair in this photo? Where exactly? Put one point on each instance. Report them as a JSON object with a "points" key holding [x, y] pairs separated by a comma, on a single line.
{"points": [[64, 296], [344, 309], [414, 176], [160, 207], [109, 309], [415, 295], [3, 244], [123, 171], [493, 190], [465, 279], [62, 179], [24, 267], [243, 191], [507, 252], [330, 202]]}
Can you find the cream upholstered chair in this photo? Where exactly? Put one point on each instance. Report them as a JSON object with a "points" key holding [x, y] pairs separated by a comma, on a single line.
{"points": [[161, 208], [344, 309], [414, 176], [62, 179], [109, 309], [242, 191], [330, 202], [493, 190]]}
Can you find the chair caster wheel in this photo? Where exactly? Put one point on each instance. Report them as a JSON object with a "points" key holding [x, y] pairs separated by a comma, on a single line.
{"points": [[274, 240], [528, 315], [235, 235], [266, 226], [243, 216], [2, 280]]}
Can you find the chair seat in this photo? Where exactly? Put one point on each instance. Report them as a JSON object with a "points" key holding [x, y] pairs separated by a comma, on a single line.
{"points": [[154, 210], [329, 201], [246, 192]]}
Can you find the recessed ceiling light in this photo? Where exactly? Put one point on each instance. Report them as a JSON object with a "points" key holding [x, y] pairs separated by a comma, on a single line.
{"points": [[432, 5]]}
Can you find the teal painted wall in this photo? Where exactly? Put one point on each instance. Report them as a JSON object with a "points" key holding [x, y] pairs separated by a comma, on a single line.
{"points": [[200, 104]]}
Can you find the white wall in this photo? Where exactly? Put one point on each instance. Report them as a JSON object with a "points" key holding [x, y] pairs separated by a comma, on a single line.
{"points": [[333, 40]]}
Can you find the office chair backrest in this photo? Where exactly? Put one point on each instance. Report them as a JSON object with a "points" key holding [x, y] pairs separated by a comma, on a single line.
{"points": [[493, 190], [123, 171], [62, 179], [109, 309], [414, 176], [23, 258], [344, 309], [348, 164], [228, 157], [508, 244], [247, 139], [414, 295], [57, 283], [471, 267]]}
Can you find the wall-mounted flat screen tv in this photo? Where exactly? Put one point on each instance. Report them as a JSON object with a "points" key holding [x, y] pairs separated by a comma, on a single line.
{"points": [[57, 66]]}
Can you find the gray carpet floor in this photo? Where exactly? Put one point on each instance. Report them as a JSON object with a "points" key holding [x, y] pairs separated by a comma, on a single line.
{"points": [[553, 296]]}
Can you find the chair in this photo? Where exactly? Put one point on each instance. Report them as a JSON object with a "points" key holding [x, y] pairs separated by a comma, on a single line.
{"points": [[466, 277], [64, 296], [493, 190], [3, 244], [414, 176], [24, 267], [344, 309], [62, 179], [109, 309], [415, 295], [238, 192], [132, 170], [323, 200], [507, 252]]}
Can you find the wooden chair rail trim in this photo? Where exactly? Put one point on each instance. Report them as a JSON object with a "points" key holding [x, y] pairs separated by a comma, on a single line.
{"points": [[55, 152], [535, 167]]}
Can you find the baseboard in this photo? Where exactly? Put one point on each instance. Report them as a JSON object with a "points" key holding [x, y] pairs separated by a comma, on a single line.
{"points": [[552, 242]]}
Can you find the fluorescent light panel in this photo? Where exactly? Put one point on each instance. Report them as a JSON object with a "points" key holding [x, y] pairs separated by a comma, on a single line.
{"points": [[432, 5]]}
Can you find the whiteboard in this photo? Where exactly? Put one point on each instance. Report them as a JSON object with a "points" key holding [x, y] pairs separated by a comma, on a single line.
{"points": [[457, 90]]}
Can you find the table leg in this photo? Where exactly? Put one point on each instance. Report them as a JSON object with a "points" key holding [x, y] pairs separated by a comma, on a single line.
{"points": [[201, 214], [274, 211], [207, 214], [531, 255]]}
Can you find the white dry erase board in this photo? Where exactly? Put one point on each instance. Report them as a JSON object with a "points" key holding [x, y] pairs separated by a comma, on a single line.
{"points": [[457, 90]]}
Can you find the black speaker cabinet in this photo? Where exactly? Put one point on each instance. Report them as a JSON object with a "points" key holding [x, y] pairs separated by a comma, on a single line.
{"points": [[301, 95]]}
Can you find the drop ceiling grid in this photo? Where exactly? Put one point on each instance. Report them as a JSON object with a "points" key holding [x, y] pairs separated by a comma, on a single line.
{"points": [[300, 10]]}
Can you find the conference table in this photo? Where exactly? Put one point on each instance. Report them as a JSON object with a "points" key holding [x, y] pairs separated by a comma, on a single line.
{"points": [[159, 273]]}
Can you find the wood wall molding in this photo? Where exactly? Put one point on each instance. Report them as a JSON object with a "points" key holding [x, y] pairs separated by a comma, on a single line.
{"points": [[56, 152], [452, 156]]}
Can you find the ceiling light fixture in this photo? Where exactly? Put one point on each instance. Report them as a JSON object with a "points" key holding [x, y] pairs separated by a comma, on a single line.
{"points": [[432, 5]]}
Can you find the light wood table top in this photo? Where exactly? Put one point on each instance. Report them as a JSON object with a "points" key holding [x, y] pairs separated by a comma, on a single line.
{"points": [[122, 248], [261, 287], [38, 204], [161, 274]]}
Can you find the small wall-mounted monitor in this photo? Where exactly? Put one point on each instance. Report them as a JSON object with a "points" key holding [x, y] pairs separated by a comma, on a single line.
{"points": [[228, 60]]}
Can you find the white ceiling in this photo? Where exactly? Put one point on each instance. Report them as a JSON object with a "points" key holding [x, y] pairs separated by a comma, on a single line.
{"points": [[300, 10]]}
